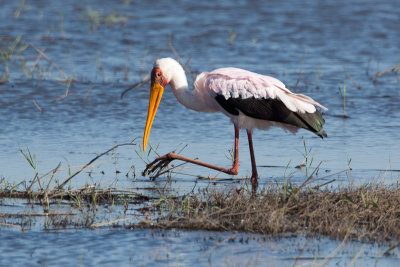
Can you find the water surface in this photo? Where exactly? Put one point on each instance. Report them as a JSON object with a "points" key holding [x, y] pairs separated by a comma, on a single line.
{"points": [[105, 47]]}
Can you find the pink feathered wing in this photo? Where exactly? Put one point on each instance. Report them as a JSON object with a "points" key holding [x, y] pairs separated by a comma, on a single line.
{"points": [[234, 82]]}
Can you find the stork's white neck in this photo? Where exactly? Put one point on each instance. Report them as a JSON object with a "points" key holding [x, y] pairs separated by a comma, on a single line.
{"points": [[180, 87], [175, 76], [179, 83]]}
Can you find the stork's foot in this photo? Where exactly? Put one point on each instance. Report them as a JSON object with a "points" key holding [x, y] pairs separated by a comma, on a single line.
{"points": [[159, 166], [254, 184]]}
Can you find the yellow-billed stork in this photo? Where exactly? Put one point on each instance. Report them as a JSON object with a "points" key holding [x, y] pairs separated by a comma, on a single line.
{"points": [[249, 99]]}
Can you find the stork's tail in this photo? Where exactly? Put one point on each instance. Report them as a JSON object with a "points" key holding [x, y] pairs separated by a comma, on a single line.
{"points": [[309, 121]]}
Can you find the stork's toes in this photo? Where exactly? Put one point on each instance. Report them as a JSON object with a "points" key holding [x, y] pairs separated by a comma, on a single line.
{"points": [[157, 166]]}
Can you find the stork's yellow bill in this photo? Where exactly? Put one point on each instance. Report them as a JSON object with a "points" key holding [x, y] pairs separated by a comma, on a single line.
{"points": [[156, 92]]}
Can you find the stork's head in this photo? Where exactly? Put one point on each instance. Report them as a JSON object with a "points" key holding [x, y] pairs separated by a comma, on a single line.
{"points": [[160, 76]]}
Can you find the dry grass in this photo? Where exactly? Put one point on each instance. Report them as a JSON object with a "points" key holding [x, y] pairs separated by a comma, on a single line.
{"points": [[367, 213]]}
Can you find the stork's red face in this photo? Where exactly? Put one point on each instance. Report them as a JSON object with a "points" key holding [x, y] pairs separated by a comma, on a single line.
{"points": [[158, 83]]}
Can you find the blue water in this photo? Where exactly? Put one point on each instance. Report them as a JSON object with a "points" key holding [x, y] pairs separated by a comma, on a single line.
{"points": [[182, 248], [322, 40]]}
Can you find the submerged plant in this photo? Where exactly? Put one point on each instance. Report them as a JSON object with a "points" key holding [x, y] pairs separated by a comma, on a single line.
{"points": [[232, 36], [95, 18], [31, 159], [307, 158], [20, 8], [7, 53], [344, 98], [345, 116]]}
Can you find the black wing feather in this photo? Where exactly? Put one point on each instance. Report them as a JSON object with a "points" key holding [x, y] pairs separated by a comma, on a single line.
{"points": [[273, 110]]}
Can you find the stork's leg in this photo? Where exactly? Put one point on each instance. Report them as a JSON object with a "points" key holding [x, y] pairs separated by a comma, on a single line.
{"points": [[161, 162], [254, 175]]}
